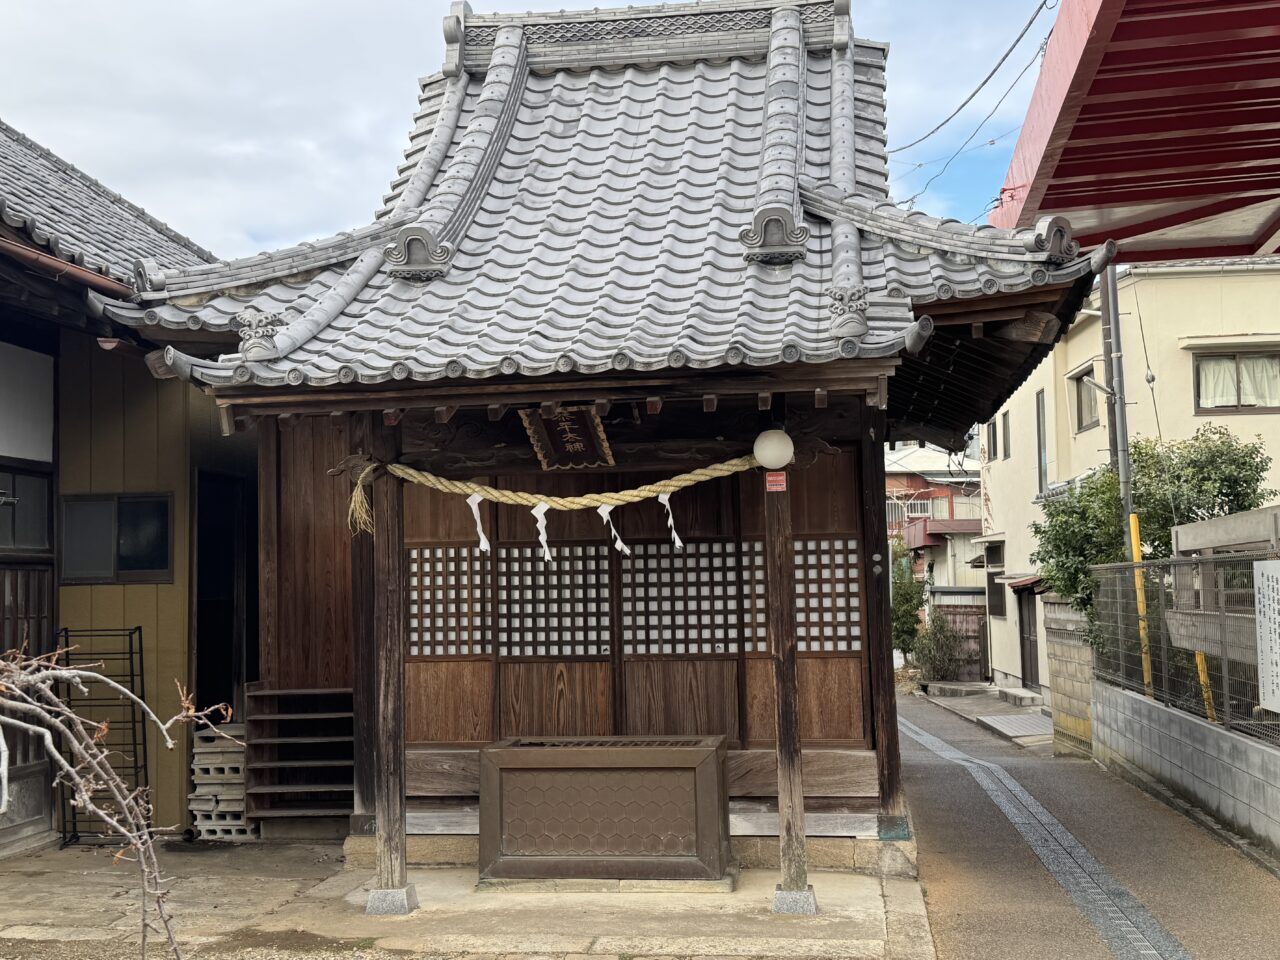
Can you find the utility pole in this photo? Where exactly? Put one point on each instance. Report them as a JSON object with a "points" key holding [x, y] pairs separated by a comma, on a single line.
{"points": [[1117, 411], [1108, 375], [1119, 440]]}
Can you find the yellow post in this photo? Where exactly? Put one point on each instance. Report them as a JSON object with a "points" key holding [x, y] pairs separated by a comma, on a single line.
{"points": [[1139, 585], [1206, 691]]}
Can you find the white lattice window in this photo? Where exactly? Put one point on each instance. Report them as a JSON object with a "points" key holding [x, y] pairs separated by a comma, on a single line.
{"points": [[558, 609], [447, 602], [828, 608], [681, 602]]}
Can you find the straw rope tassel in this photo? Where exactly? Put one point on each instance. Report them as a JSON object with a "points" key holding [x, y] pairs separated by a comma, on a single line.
{"points": [[360, 514]]}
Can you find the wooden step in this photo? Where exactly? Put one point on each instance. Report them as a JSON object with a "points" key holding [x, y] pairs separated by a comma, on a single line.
{"points": [[287, 764], [260, 741], [301, 716], [303, 788], [329, 692]]}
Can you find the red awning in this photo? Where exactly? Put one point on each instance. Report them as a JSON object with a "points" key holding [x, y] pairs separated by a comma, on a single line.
{"points": [[1156, 123]]}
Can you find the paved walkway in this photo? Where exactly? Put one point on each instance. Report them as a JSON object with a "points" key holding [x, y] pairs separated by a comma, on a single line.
{"points": [[1024, 855], [272, 902]]}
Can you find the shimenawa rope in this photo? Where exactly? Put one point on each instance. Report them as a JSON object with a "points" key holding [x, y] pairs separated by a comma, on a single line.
{"points": [[360, 514]]}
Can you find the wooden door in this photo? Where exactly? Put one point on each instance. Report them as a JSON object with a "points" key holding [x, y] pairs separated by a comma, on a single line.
{"points": [[1029, 641], [26, 621]]}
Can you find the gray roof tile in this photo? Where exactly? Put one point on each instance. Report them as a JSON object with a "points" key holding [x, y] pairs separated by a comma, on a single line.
{"points": [[601, 225], [77, 218]]}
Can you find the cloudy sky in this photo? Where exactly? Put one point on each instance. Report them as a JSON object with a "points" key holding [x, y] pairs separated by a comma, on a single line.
{"points": [[252, 124]]}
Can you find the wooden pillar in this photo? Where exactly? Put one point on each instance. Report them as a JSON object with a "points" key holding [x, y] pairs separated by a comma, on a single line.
{"points": [[793, 894], [875, 538], [268, 549], [392, 893], [364, 665]]}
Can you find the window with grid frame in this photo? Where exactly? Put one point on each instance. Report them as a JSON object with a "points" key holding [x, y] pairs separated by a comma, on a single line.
{"points": [[1237, 382], [707, 600]]}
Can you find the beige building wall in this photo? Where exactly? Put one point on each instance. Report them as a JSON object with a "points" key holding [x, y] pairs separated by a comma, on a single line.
{"points": [[122, 431], [1182, 310]]}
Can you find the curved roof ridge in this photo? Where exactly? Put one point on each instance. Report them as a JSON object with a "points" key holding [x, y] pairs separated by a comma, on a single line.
{"points": [[1050, 239]]}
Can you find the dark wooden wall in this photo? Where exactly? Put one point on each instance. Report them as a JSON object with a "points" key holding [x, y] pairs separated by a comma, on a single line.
{"points": [[305, 554]]}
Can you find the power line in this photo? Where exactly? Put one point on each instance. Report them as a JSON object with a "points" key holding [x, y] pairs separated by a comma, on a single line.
{"points": [[928, 163], [1040, 8], [1004, 96]]}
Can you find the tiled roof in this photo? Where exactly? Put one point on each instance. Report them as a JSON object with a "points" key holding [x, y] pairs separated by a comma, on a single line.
{"points": [[691, 185], [77, 218]]}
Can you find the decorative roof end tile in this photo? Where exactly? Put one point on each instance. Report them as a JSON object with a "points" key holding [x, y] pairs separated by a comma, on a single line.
{"points": [[417, 256]]}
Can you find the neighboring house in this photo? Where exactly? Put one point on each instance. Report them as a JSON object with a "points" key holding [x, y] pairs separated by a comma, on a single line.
{"points": [[101, 465], [933, 504], [1208, 333]]}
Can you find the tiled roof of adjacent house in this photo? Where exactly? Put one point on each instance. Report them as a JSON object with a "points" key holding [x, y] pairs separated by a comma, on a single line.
{"points": [[76, 218], [696, 184]]}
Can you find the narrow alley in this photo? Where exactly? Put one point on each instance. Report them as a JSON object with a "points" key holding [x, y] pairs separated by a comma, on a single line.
{"points": [[1027, 855]]}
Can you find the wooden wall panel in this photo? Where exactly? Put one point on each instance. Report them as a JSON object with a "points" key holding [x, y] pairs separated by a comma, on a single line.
{"points": [[703, 510], [830, 691], [681, 697], [825, 498], [313, 647], [555, 699], [434, 517], [516, 524], [449, 701], [828, 772]]}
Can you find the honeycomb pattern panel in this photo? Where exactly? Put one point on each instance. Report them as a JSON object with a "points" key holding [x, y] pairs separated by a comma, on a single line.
{"points": [[590, 813]]}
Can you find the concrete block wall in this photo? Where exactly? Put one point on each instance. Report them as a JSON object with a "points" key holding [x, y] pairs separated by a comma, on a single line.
{"points": [[1233, 777], [1070, 677]]}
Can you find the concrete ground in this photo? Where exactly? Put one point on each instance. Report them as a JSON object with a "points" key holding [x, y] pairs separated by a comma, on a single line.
{"points": [[273, 902], [980, 706], [990, 896]]}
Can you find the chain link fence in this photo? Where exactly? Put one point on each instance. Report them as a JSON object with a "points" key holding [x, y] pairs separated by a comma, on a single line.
{"points": [[1196, 619]]}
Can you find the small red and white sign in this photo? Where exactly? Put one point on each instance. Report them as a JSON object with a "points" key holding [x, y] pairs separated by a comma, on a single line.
{"points": [[775, 481]]}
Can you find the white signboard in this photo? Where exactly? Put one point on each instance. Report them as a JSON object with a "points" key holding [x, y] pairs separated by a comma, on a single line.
{"points": [[1266, 585]]}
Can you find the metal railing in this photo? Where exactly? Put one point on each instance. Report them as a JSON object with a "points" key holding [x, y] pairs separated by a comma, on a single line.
{"points": [[1196, 617]]}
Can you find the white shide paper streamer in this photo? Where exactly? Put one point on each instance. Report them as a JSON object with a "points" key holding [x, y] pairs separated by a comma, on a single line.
{"points": [[618, 545], [665, 500], [540, 517], [473, 502]]}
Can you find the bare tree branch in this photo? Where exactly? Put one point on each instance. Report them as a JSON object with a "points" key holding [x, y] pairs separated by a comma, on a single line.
{"points": [[34, 701]]}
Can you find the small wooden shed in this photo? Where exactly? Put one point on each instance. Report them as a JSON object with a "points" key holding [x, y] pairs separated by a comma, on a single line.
{"points": [[623, 243]]}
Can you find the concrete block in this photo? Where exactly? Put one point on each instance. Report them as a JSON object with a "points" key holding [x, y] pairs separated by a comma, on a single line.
{"points": [[395, 902], [795, 902]]}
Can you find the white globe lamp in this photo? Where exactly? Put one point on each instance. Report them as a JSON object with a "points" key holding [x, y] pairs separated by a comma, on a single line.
{"points": [[774, 449]]}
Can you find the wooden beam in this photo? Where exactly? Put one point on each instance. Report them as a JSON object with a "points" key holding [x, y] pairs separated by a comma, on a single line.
{"points": [[390, 628], [653, 406], [497, 411], [820, 399], [876, 617], [226, 421], [780, 609], [443, 413], [975, 331], [602, 407], [364, 666], [392, 417], [764, 401], [709, 403], [549, 409]]}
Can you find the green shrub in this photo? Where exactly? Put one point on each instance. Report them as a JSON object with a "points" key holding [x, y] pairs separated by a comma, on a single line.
{"points": [[939, 649]]}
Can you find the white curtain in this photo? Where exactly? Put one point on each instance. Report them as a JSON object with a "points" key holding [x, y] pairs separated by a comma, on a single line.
{"points": [[1217, 381], [1260, 381]]}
